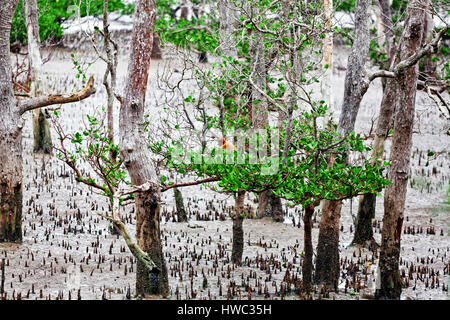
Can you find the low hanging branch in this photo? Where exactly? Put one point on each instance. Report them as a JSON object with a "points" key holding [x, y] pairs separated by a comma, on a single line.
{"points": [[47, 100]]}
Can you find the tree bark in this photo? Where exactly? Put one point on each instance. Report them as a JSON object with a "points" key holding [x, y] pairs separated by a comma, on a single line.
{"points": [[238, 232], [327, 262], [110, 72], [270, 205], [41, 131], [181, 212], [327, 60], [228, 20], [363, 225], [11, 138], [307, 267], [395, 194], [156, 48], [366, 207], [137, 156], [41, 128], [428, 67]]}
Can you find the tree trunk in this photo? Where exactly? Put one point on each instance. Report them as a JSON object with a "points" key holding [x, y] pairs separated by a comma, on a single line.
{"points": [[11, 138], [363, 225], [227, 28], [238, 232], [203, 57], [428, 67], [395, 194], [327, 262], [327, 60], [136, 155], [307, 267], [156, 48], [41, 132], [270, 205], [10, 181], [110, 73], [181, 212], [366, 208], [41, 127]]}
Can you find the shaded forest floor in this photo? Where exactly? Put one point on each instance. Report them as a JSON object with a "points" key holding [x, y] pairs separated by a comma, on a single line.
{"points": [[68, 251]]}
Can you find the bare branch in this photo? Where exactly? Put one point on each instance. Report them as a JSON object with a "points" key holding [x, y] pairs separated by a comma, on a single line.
{"points": [[47, 100], [191, 183], [429, 48]]}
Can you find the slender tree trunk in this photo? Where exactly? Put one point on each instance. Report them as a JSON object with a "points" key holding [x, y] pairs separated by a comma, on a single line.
{"points": [[110, 77], [366, 208], [327, 60], [41, 127], [269, 205], [136, 155], [11, 138], [181, 212], [227, 28], [395, 194], [156, 48], [307, 267], [238, 232], [428, 68], [109, 82], [327, 262]]}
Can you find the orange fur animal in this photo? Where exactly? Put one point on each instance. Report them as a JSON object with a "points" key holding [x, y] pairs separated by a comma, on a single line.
{"points": [[226, 144]]}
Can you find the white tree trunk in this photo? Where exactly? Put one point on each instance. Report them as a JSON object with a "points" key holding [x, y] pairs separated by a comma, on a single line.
{"points": [[41, 128], [327, 61]]}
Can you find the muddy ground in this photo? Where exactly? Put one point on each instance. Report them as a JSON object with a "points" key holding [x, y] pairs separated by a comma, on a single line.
{"points": [[68, 252]]}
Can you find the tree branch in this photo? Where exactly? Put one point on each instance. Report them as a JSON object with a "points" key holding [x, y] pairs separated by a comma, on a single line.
{"points": [[429, 48], [191, 183], [134, 248], [47, 100]]}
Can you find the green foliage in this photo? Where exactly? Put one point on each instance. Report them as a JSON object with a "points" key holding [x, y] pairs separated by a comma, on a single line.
{"points": [[315, 163], [53, 12], [93, 147], [305, 177], [200, 32], [345, 5], [18, 26], [349, 5], [444, 52]]}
